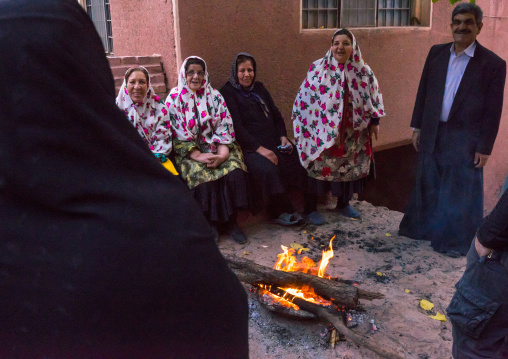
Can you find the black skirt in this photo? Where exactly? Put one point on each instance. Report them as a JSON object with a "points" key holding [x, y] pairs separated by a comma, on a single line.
{"points": [[221, 199], [268, 180]]}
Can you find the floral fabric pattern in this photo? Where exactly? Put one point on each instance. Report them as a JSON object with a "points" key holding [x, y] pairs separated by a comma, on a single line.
{"points": [[349, 158], [150, 118], [318, 110], [194, 172], [201, 116], [200, 119]]}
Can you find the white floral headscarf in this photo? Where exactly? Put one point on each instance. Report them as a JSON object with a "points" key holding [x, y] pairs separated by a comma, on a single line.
{"points": [[318, 107], [200, 116], [150, 118]]}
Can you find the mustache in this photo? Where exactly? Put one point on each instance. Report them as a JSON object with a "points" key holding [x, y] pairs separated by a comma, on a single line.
{"points": [[462, 31]]}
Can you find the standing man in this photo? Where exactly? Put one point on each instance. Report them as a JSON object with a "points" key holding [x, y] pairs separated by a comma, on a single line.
{"points": [[479, 309], [455, 121]]}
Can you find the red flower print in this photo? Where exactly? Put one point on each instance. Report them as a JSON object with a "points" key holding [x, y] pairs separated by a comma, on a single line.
{"points": [[303, 156], [323, 106], [164, 111], [184, 91], [200, 92], [333, 68], [303, 105], [304, 122], [341, 67], [326, 171], [306, 134], [191, 123], [313, 88], [349, 67], [337, 151], [297, 129], [363, 84], [332, 124], [156, 98], [222, 115], [357, 58], [307, 84], [355, 84], [203, 113], [322, 89], [173, 95], [324, 120]]}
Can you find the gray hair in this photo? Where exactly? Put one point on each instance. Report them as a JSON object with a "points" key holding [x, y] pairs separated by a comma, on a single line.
{"points": [[469, 8]]}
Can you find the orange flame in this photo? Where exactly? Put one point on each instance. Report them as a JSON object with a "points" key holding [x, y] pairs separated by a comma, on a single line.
{"points": [[287, 262], [325, 259]]}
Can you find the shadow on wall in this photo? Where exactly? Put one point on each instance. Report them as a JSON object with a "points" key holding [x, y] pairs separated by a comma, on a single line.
{"points": [[395, 178]]}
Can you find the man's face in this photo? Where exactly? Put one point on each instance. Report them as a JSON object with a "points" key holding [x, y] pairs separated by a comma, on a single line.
{"points": [[465, 29]]}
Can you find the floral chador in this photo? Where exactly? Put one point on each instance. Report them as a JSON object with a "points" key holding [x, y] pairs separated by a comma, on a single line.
{"points": [[201, 120], [331, 114], [150, 118]]}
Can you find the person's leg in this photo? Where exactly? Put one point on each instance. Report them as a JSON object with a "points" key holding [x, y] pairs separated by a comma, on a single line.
{"points": [[492, 343]]}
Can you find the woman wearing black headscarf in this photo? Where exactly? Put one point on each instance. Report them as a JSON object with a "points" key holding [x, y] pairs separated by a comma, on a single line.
{"points": [[103, 252], [269, 155]]}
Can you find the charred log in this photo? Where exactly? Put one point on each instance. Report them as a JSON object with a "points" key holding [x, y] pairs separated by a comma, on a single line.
{"points": [[334, 317], [341, 294]]}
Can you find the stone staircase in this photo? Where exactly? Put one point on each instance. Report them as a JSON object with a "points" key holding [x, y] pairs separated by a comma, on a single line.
{"points": [[120, 64]]}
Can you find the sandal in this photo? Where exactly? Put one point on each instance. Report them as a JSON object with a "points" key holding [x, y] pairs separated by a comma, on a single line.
{"points": [[299, 218], [286, 219]]}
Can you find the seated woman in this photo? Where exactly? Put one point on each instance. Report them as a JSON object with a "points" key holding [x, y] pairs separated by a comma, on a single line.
{"points": [[335, 114], [207, 157], [147, 113], [269, 155]]}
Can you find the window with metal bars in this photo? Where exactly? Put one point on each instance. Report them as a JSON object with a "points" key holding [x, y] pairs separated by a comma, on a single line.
{"points": [[99, 12], [327, 14]]}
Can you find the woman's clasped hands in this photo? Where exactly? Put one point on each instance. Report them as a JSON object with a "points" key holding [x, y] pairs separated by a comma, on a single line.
{"points": [[212, 160]]}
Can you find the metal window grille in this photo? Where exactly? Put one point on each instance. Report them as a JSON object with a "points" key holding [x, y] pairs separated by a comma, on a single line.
{"points": [[393, 13], [99, 12], [325, 14]]}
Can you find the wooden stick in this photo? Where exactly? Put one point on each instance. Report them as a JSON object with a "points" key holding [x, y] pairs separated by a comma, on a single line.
{"points": [[341, 294], [337, 321]]}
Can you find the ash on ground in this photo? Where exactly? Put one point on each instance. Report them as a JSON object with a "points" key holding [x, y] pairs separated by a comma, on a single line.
{"points": [[367, 251]]}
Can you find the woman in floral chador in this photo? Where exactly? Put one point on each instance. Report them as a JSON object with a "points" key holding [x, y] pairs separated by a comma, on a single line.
{"points": [[335, 114], [147, 112], [206, 154]]}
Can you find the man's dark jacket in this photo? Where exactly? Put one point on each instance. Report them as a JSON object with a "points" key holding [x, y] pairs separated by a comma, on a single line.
{"points": [[476, 111]]}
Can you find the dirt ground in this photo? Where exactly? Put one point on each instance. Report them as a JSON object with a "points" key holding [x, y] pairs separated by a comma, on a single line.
{"points": [[368, 251]]}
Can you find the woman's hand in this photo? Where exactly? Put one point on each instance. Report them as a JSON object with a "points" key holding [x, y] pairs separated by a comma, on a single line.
{"points": [[285, 142], [199, 156], [374, 131], [217, 159], [268, 154]]}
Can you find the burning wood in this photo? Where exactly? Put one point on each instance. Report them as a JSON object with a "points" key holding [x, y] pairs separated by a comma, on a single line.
{"points": [[341, 294], [310, 290]]}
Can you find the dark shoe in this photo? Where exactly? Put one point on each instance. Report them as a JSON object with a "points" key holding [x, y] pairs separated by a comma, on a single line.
{"points": [[237, 234], [315, 218], [215, 232], [349, 212]]}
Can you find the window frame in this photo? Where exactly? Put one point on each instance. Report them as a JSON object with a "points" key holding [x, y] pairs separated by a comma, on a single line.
{"points": [[418, 16]]}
